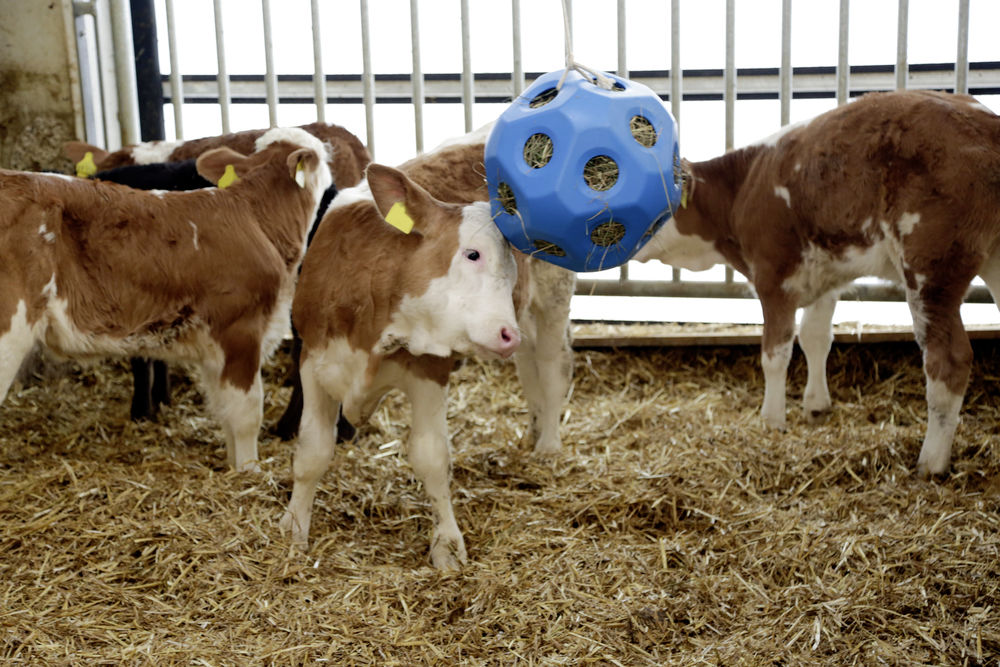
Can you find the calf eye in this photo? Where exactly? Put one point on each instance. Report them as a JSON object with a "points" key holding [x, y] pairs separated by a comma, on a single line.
{"points": [[472, 255]]}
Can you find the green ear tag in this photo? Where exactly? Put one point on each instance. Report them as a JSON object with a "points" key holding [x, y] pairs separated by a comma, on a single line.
{"points": [[399, 218], [86, 167], [228, 176]]}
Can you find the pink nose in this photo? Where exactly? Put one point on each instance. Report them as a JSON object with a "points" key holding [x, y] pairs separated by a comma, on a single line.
{"points": [[507, 342]]}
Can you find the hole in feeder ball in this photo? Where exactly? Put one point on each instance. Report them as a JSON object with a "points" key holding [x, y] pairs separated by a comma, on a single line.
{"points": [[549, 248], [543, 98], [643, 131], [538, 150], [506, 198], [600, 172], [608, 233]]}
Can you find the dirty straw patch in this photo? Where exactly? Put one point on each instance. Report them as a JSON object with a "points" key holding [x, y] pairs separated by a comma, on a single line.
{"points": [[673, 530]]}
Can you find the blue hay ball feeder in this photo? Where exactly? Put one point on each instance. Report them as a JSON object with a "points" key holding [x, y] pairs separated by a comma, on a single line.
{"points": [[582, 176]]}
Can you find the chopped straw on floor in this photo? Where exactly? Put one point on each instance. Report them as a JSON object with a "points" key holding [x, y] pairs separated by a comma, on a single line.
{"points": [[674, 528]]}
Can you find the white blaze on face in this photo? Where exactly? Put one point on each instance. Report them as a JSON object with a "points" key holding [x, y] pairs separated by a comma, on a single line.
{"points": [[468, 310]]}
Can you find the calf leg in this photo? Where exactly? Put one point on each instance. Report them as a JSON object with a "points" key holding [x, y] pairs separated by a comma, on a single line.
{"points": [[545, 358], [287, 426], [241, 413], [947, 362], [317, 434], [142, 389], [776, 352], [815, 339], [430, 458], [160, 391], [16, 342], [150, 387], [239, 410]]}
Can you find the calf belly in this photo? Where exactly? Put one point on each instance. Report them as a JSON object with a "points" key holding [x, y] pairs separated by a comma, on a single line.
{"points": [[186, 342]]}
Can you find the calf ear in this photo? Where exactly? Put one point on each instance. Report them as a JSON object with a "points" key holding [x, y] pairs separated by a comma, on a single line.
{"points": [[77, 151], [212, 164], [403, 203], [300, 161]]}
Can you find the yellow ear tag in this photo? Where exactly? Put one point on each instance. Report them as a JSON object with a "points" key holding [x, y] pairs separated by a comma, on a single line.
{"points": [[684, 192], [86, 167], [300, 175], [228, 177], [399, 218]]}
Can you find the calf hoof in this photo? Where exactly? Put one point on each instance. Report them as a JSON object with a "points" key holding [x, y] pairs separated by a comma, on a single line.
{"points": [[547, 447], [448, 553], [289, 526], [249, 466], [926, 470], [817, 415], [775, 422]]}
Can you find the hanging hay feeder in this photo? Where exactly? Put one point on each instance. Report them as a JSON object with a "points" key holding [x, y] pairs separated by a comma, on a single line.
{"points": [[580, 175]]}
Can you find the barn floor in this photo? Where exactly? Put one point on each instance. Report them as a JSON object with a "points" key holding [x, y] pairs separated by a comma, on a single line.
{"points": [[674, 529]]}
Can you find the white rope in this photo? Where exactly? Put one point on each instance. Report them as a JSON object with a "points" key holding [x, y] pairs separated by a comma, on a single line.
{"points": [[596, 76]]}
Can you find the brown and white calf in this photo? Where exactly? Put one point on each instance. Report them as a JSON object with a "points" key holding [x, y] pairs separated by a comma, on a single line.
{"points": [[164, 165], [93, 269], [348, 156], [379, 309], [903, 186]]}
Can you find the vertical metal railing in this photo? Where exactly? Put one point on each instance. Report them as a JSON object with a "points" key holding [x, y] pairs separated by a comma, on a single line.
{"points": [[223, 75], [785, 72], [729, 93], [418, 78], [962, 57], [128, 96], [902, 33], [468, 91], [176, 85], [622, 72], [367, 78], [675, 59], [518, 65], [319, 78], [729, 75], [676, 81], [270, 77], [843, 68]]}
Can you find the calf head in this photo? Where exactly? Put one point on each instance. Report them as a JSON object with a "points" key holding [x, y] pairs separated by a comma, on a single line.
{"points": [[305, 156], [457, 284]]}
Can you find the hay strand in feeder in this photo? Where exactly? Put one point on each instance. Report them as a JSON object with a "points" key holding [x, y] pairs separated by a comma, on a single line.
{"points": [[505, 194], [600, 173], [549, 248], [642, 131], [538, 150], [607, 233]]}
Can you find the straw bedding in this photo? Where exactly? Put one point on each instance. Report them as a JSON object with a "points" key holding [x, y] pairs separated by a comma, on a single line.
{"points": [[675, 529]]}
